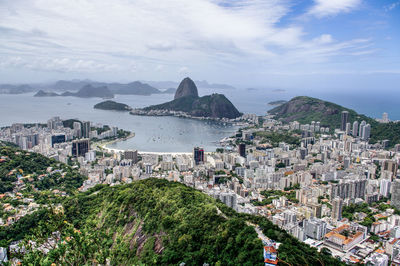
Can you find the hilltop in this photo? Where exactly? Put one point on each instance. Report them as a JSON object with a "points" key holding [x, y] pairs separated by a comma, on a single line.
{"points": [[187, 100], [305, 109], [157, 222], [89, 91]]}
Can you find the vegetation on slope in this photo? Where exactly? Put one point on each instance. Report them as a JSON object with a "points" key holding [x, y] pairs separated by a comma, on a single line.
{"points": [[154, 221], [33, 169], [215, 105], [112, 105], [306, 109]]}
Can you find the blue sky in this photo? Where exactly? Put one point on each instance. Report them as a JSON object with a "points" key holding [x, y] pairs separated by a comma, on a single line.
{"points": [[320, 44]]}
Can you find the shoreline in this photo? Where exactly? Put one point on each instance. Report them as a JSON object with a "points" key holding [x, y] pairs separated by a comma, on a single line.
{"points": [[103, 145], [161, 113]]}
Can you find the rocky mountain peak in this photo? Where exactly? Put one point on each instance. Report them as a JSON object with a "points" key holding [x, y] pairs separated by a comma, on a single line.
{"points": [[186, 88]]}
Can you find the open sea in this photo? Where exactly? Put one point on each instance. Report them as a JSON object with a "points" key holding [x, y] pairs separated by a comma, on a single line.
{"points": [[171, 134]]}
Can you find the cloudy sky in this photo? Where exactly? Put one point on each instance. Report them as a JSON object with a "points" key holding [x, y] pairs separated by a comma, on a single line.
{"points": [[327, 44]]}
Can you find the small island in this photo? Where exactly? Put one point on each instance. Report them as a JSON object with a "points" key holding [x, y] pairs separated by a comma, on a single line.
{"points": [[277, 103], [112, 105], [42, 93]]}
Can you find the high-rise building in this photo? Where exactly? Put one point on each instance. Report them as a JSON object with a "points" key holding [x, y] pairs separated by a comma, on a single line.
{"points": [[349, 189], [316, 210], [348, 128], [361, 128], [395, 201], [77, 129], [354, 132], [242, 149], [131, 155], [80, 147], [198, 155], [85, 129], [337, 206], [314, 228], [57, 139], [148, 168], [54, 123], [345, 120], [366, 132], [391, 166], [384, 188]]}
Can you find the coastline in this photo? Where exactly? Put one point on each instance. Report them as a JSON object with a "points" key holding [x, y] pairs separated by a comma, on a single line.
{"points": [[179, 114], [103, 145]]}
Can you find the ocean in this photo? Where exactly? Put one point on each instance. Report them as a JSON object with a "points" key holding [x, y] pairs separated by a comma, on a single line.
{"points": [[171, 134]]}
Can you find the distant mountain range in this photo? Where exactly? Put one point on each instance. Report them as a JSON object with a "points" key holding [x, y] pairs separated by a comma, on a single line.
{"points": [[186, 100], [87, 91], [132, 88]]}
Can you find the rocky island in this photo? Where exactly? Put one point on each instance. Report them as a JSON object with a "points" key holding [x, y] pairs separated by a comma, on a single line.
{"points": [[187, 103], [111, 105], [42, 93]]}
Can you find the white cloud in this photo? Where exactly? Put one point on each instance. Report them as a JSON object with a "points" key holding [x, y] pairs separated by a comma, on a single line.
{"points": [[392, 6], [324, 8], [324, 39], [207, 36]]}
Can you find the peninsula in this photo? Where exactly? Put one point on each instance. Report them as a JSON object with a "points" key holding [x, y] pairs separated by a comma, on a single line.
{"points": [[188, 103]]}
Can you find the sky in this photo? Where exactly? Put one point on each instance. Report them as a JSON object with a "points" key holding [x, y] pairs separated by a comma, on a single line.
{"points": [[316, 44]]}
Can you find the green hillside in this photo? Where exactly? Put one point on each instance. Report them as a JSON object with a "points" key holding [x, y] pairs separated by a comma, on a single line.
{"points": [[215, 105], [306, 109], [154, 221], [33, 169]]}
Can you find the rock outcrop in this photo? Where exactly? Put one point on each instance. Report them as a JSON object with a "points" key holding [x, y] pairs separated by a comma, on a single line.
{"points": [[186, 88]]}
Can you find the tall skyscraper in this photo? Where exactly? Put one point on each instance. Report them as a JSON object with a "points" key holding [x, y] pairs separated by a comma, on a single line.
{"points": [[348, 128], [85, 129], [366, 132], [80, 147], [354, 132], [337, 206], [198, 155], [345, 120], [362, 125], [77, 129], [395, 200], [242, 149], [384, 188]]}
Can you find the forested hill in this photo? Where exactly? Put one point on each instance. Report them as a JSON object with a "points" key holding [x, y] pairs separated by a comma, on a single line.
{"points": [[22, 168], [306, 109], [157, 222]]}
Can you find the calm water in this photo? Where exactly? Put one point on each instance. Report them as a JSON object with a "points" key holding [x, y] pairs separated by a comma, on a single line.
{"points": [[170, 134], [155, 134]]}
